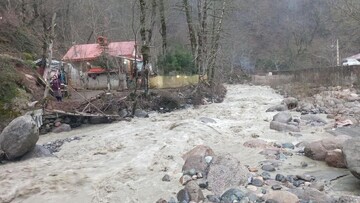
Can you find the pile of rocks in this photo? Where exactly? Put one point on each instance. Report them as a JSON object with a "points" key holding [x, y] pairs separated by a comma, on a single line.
{"points": [[55, 146], [225, 180], [284, 121], [334, 101]]}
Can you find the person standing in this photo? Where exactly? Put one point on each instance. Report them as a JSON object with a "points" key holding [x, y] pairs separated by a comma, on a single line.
{"points": [[56, 87]]}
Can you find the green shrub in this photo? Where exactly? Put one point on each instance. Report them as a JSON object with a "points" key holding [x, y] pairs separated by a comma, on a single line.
{"points": [[179, 61], [8, 79]]}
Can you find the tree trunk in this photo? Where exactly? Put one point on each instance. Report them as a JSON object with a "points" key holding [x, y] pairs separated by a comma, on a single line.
{"points": [[199, 58], [50, 54], [189, 21], [215, 42], [163, 26]]}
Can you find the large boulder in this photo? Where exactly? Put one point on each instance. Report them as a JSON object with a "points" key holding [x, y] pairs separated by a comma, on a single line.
{"points": [[318, 150], [226, 172], [351, 151], [282, 117], [283, 127], [198, 160], [19, 137]]}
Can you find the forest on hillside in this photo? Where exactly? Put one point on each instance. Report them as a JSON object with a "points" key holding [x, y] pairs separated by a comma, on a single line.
{"points": [[253, 35]]}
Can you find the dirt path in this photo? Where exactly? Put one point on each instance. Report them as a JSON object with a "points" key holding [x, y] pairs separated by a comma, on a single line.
{"points": [[125, 162]]}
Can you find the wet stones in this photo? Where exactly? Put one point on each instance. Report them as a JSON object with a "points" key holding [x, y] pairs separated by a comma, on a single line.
{"points": [[55, 146], [232, 195]]}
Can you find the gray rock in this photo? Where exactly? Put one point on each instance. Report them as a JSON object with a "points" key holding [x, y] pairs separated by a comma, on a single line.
{"points": [[39, 151], [166, 178], [269, 168], [283, 117], [62, 128], [257, 182], [232, 195], [183, 196], [141, 113], [226, 172], [276, 187], [19, 137], [351, 151], [280, 178], [288, 146], [194, 192], [283, 127], [123, 113], [280, 107], [266, 175]]}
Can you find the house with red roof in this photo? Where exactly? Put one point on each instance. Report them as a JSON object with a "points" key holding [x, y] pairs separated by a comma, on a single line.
{"points": [[104, 65]]}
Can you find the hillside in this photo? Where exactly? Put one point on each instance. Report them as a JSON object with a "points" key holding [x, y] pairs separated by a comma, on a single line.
{"points": [[18, 88]]}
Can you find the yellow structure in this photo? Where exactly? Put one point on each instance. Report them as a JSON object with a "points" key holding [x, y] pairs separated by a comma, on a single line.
{"points": [[160, 82]]}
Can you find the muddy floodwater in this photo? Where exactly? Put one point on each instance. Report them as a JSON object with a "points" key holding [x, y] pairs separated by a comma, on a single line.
{"points": [[125, 161]]}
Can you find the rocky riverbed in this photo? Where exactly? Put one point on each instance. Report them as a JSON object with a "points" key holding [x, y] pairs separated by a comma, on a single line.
{"points": [[141, 160]]}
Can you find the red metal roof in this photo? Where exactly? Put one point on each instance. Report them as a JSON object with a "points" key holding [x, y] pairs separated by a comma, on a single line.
{"points": [[84, 52]]}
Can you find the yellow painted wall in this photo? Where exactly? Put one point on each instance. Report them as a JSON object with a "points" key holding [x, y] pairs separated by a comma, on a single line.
{"points": [[160, 82]]}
